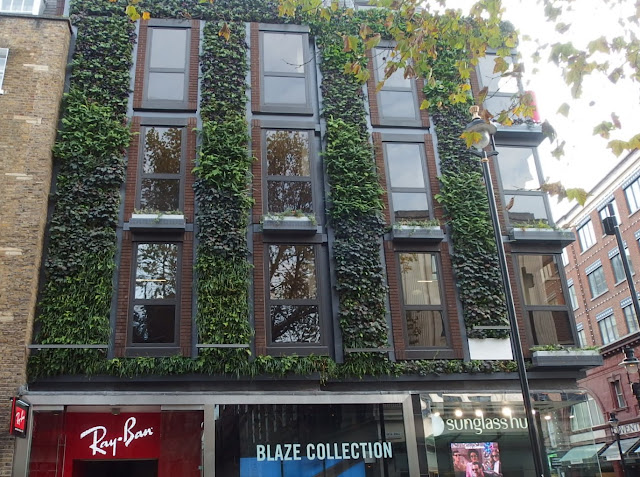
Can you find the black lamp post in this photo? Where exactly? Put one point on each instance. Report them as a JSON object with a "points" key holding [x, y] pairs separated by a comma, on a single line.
{"points": [[631, 365], [487, 130], [614, 423]]}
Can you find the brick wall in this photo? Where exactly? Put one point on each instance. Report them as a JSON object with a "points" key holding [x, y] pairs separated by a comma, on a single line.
{"points": [[29, 110]]}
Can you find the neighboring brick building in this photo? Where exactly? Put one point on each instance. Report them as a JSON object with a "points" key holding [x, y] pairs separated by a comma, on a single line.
{"points": [[600, 296], [32, 88]]}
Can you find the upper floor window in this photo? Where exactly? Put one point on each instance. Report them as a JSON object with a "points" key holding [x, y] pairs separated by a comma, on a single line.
{"points": [[565, 257], [632, 193], [597, 281], [629, 315], [544, 301], [582, 338], [604, 211], [618, 267], [572, 296], [422, 299], [608, 326], [160, 181], [407, 175], [618, 395], [586, 415], [284, 74], [31, 7], [500, 88], [397, 100], [586, 236], [4, 54]]}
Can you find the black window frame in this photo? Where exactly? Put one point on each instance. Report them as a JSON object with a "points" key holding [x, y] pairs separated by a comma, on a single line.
{"points": [[167, 104], [496, 94]]}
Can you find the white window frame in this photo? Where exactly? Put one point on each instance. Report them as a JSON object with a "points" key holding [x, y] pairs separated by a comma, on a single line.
{"points": [[604, 211], [18, 6], [586, 236], [4, 57], [608, 329], [632, 193]]}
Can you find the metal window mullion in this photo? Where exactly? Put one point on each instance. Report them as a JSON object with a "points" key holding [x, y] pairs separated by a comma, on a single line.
{"points": [[288, 178], [155, 301], [283, 74]]}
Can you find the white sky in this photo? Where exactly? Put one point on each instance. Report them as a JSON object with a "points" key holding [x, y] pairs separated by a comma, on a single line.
{"points": [[586, 158]]}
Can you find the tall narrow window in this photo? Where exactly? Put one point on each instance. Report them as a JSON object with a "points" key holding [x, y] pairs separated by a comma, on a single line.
{"points": [[155, 294], [629, 315], [604, 211], [632, 193], [586, 236], [422, 300], [618, 267], [4, 54], [572, 296], [161, 169], [618, 395], [397, 100], [597, 281], [293, 303], [407, 180], [500, 89], [582, 338], [608, 327], [288, 180]]}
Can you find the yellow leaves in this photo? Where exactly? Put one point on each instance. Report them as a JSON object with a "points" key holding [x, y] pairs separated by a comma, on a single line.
{"points": [[324, 14], [146, 15], [425, 104], [132, 13], [471, 138], [365, 31], [618, 146], [373, 41], [225, 32], [356, 69], [600, 45], [500, 65], [577, 194], [564, 109], [350, 43], [556, 189]]}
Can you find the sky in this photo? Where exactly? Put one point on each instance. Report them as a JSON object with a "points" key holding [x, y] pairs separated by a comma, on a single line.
{"points": [[586, 158]]}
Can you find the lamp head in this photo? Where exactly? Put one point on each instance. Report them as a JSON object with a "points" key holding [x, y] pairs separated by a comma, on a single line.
{"points": [[480, 126], [614, 422], [630, 362]]}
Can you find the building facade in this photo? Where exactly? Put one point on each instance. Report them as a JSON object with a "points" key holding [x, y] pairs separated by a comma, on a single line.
{"points": [[260, 265], [601, 301]]}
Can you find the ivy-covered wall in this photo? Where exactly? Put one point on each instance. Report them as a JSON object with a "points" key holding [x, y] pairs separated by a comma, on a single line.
{"points": [[74, 307]]}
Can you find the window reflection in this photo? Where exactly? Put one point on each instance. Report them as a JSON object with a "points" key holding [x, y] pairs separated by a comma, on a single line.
{"points": [[166, 69], [540, 280], [284, 69], [405, 165], [160, 185], [397, 104], [153, 324], [157, 265], [283, 52], [518, 168], [168, 48], [295, 324], [526, 209]]}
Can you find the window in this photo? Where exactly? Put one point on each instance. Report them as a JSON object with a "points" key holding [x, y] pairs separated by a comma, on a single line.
{"points": [[4, 54], [284, 71], [597, 282], [632, 193], [293, 298], [629, 315], [572, 296], [397, 100], [544, 301], [586, 236], [288, 165], [618, 396], [167, 65], [608, 327], [31, 7], [155, 294], [585, 415], [421, 291], [582, 338], [618, 267], [160, 181], [501, 89], [604, 212], [407, 175], [565, 257]]}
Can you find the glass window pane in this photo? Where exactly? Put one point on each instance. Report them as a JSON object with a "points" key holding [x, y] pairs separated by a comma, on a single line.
{"points": [[168, 48], [540, 280], [292, 272], [405, 165], [166, 86], [420, 279], [425, 328], [398, 104], [551, 328], [284, 90], [160, 194], [154, 323], [156, 269], [410, 205], [526, 208], [397, 79], [289, 195], [295, 324], [283, 52], [495, 81], [495, 104], [162, 150], [288, 153], [517, 168]]}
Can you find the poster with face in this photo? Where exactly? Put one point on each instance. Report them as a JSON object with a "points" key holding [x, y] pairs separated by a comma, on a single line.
{"points": [[476, 459]]}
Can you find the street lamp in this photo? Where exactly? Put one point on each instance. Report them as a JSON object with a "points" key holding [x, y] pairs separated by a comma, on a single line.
{"points": [[614, 423], [631, 364], [486, 131]]}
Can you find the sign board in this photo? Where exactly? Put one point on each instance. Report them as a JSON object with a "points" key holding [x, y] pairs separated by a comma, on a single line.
{"points": [[19, 417], [629, 428]]}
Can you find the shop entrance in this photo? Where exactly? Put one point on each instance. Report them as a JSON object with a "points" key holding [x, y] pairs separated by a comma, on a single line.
{"points": [[113, 468]]}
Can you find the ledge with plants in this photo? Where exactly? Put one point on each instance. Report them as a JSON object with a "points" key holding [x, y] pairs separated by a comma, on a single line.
{"points": [[561, 356]]}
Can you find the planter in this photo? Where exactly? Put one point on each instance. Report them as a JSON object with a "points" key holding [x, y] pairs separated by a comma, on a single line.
{"points": [[560, 237], [299, 225], [529, 134], [490, 348], [156, 221], [574, 358], [414, 232]]}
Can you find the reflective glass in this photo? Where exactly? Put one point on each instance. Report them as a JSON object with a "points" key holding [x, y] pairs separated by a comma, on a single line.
{"points": [[398, 104], [160, 194], [495, 81], [289, 195], [154, 323], [540, 280], [397, 79], [420, 279], [284, 90], [517, 168], [292, 272], [526, 208], [551, 328], [405, 165], [162, 150], [166, 86], [283, 52], [295, 324], [425, 328], [156, 270], [288, 153], [410, 205], [168, 48]]}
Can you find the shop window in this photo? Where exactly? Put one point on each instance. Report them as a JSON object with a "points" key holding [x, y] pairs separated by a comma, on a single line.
{"points": [[544, 300], [397, 99], [289, 186], [154, 307], [166, 74], [4, 54], [407, 176], [422, 300], [293, 297], [618, 267], [632, 193], [608, 328], [604, 211], [618, 396], [572, 296], [629, 315], [285, 72], [597, 282], [161, 169], [586, 236]]}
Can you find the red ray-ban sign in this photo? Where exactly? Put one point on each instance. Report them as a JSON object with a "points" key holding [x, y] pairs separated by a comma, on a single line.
{"points": [[19, 417]]}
